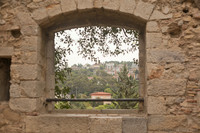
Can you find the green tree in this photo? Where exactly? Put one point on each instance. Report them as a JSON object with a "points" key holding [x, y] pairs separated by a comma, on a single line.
{"points": [[127, 88], [92, 39]]}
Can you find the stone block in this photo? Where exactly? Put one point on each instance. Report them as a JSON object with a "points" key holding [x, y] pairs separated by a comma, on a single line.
{"points": [[54, 11], [165, 122], [159, 15], [25, 19], [152, 26], [165, 56], [144, 10], [32, 88], [85, 4], [127, 6], [26, 72], [111, 4], [98, 3], [30, 30], [154, 40], [59, 123], [28, 44], [105, 125], [68, 6], [29, 57], [11, 115], [134, 124], [40, 15], [24, 104], [163, 87], [6, 51], [15, 91], [156, 105]]}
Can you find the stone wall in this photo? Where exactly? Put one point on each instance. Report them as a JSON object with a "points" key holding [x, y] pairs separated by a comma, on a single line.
{"points": [[169, 49]]}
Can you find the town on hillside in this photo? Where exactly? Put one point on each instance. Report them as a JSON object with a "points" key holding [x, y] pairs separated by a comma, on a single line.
{"points": [[111, 68]]}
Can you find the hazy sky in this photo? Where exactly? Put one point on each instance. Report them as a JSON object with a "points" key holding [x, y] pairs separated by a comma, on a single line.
{"points": [[74, 58]]}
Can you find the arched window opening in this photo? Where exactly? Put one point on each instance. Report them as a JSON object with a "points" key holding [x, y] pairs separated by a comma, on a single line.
{"points": [[97, 62]]}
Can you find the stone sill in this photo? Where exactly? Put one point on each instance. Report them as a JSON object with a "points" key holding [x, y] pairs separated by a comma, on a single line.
{"points": [[106, 112]]}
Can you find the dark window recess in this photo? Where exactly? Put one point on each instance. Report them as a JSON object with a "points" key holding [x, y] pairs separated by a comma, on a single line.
{"points": [[4, 79]]}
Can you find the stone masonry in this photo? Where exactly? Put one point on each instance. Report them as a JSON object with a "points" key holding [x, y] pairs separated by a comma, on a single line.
{"points": [[169, 65]]}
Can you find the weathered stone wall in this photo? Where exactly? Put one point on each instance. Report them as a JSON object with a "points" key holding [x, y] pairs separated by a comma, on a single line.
{"points": [[171, 84]]}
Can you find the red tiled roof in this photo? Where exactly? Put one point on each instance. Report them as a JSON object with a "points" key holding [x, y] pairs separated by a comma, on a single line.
{"points": [[99, 93]]}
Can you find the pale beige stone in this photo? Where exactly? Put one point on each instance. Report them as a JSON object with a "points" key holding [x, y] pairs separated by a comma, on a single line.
{"points": [[26, 72], [153, 40], [159, 15], [136, 124], [54, 11], [11, 115], [156, 105], [152, 26], [163, 87], [85, 4], [6, 51], [165, 9], [165, 122], [111, 4], [98, 3], [23, 104], [29, 57], [40, 15], [127, 6], [32, 88], [143, 10], [105, 124], [68, 6], [15, 91], [55, 123], [25, 19], [161, 56], [31, 30]]}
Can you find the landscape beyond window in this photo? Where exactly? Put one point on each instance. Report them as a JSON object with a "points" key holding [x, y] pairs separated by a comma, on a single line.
{"points": [[96, 63]]}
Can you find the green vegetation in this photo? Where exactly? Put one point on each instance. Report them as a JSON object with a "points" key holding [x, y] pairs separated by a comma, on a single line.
{"points": [[79, 82]]}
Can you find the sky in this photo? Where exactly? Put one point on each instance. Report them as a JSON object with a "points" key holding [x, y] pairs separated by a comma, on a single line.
{"points": [[74, 58]]}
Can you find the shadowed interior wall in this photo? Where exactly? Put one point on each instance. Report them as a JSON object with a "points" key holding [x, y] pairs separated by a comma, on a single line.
{"points": [[4, 79]]}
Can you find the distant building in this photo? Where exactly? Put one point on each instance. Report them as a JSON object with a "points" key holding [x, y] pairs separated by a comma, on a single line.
{"points": [[101, 95], [90, 78]]}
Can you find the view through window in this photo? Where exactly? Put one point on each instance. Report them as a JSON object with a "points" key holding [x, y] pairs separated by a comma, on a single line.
{"points": [[96, 62]]}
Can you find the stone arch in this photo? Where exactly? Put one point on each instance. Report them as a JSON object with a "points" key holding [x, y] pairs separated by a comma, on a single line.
{"points": [[44, 20]]}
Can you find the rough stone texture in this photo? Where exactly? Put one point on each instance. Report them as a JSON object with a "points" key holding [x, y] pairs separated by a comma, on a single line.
{"points": [[166, 87], [24, 104], [84, 4], [134, 124], [111, 4], [127, 6], [40, 15], [154, 40], [156, 105], [24, 71], [158, 122], [170, 54], [159, 15], [6, 51], [68, 5], [105, 125], [57, 123], [152, 26], [32, 88], [144, 10]]}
